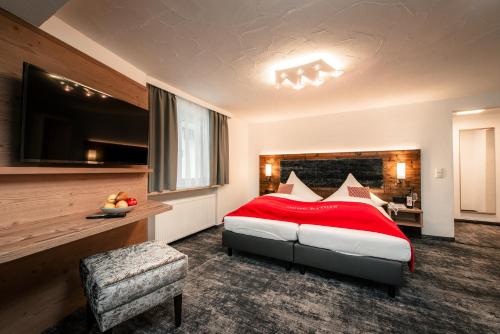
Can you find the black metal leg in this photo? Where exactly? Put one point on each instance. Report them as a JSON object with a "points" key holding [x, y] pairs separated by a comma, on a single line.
{"points": [[229, 251], [302, 269], [178, 310], [392, 290], [288, 266]]}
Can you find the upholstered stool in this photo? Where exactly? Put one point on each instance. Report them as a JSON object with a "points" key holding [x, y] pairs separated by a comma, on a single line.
{"points": [[125, 282]]}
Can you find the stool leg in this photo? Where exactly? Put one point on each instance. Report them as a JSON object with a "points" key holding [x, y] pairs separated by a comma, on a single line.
{"points": [[178, 310], [89, 317]]}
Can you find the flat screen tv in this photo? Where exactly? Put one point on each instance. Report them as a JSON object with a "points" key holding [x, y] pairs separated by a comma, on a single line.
{"points": [[66, 122]]}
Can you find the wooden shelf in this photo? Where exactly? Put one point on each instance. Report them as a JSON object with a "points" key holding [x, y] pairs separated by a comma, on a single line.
{"points": [[20, 240], [412, 217], [408, 223], [71, 170]]}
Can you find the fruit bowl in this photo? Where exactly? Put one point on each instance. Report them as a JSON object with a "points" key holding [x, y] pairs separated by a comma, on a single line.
{"points": [[118, 210]]}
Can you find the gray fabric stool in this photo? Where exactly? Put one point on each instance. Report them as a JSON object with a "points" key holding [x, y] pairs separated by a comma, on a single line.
{"points": [[125, 282]]}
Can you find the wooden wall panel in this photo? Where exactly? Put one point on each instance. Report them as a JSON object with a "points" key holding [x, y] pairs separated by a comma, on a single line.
{"points": [[42, 288], [21, 42], [390, 188], [25, 198], [49, 282]]}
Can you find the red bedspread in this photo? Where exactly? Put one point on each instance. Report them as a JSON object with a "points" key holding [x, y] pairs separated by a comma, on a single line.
{"points": [[351, 215]]}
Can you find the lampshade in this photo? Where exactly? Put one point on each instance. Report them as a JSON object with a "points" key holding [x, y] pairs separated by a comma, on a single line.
{"points": [[401, 170], [269, 169]]}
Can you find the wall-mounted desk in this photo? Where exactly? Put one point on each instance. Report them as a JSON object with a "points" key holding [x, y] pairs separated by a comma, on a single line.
{"points": [[20, 240], [39, 263]]}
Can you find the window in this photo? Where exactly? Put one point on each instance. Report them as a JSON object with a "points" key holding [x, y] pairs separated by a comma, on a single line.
{"points": [[193, 165]]}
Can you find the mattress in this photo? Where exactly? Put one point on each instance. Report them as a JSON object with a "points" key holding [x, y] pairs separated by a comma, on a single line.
{"points": [[354, 242], [262, 228]]}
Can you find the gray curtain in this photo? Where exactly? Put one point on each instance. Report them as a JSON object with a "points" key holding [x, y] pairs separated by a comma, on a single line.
{"points": [[219, 149], [162, 140]]}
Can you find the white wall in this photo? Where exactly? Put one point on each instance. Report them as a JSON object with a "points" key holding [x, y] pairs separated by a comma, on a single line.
{"points": [[76, 39], [490, 118], [427, 126], [230, 196]]}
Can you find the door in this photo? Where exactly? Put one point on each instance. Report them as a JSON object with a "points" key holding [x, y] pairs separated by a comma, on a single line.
{"points": [[477, 170]]}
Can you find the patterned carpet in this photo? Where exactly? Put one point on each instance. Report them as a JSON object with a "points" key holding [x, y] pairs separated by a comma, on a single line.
{"points": [[455, 289]]}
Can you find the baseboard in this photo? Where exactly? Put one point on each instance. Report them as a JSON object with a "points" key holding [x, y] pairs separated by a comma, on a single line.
{"points": [[435, 237], [481, 222]]}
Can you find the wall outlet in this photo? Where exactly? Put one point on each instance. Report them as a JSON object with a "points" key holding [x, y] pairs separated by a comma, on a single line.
{"points": [[439, 173]]}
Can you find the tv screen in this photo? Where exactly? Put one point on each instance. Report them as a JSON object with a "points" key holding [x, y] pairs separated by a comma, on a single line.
{"points": [[65, 121]]}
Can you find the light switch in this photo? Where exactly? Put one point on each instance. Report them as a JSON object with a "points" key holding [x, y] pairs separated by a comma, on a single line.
{"points": [[439, 173]]}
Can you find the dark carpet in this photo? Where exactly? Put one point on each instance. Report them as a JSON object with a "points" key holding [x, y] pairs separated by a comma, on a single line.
{"points": [[454, 289]]}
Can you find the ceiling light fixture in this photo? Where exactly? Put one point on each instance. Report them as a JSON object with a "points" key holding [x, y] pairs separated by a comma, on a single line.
{"points": [[468, 112], [314, 74]]}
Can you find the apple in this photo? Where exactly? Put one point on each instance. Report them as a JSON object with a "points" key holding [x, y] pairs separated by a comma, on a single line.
{"points": [[122, 196], [108, 205], [111, 199], [131, 201], [121, 204]]}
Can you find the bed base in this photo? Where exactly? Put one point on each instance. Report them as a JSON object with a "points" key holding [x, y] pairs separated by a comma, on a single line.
{"points": [[276, 249], [374, 269], [378, 270]]}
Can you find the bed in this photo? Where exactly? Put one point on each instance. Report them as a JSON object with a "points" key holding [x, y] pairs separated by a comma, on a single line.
{"points": [[365, 254]]}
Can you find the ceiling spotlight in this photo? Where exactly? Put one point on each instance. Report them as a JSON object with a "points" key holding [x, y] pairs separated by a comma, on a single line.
{"points": [[298, 86], [317, 82], [313, 74], [337, 73]]}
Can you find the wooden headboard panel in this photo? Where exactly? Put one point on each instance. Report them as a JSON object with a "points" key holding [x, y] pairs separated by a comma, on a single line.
{"points": [[325, 172]]}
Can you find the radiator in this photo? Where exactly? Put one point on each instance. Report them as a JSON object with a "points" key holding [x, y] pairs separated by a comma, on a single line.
{"points": [[189, 215]]}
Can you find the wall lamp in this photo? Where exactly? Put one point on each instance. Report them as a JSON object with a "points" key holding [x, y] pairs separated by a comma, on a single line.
{"points": [[269, 171], [401, 172]]}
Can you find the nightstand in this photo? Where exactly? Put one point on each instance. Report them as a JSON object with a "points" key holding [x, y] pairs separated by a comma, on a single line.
{"points": [[408, 217]]}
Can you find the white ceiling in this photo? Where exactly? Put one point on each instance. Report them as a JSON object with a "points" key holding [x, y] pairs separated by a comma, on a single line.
{"points": [[223, 51], [33, 11]]}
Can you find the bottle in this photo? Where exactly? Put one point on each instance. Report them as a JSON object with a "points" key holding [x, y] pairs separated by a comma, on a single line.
{"points": [[409, 199]]}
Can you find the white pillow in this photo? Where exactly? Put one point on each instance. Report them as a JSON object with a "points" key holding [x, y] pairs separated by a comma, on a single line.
{"points": [[301, 190], [287, 196], [351, 181], [349, 199]]}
